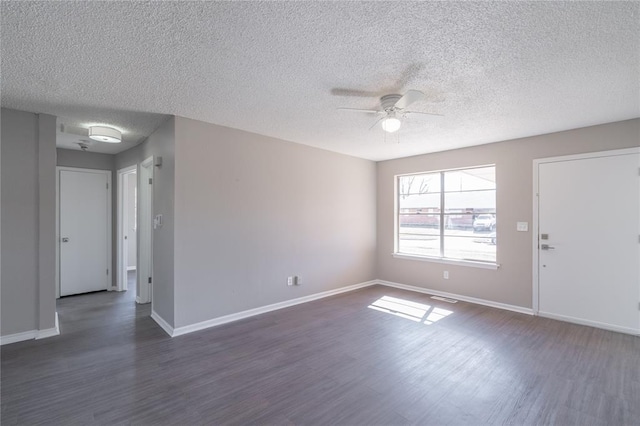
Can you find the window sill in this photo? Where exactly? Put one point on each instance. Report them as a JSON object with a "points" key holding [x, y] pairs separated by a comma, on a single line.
{"points": [[471, 263]]}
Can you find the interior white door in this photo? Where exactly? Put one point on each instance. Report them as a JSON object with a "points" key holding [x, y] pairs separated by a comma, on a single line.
{"points": [[589, 263], [84, 231]]}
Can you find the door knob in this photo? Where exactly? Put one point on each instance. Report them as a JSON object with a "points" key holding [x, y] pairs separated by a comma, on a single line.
{"points": [[546, 247], [65, 239]]}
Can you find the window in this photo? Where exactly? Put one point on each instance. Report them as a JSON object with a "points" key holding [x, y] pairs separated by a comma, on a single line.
{"points": [[448, 214]]}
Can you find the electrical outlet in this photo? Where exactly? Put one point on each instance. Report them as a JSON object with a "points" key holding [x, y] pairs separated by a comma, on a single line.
{"points": [[290, 280], [446, 275]]}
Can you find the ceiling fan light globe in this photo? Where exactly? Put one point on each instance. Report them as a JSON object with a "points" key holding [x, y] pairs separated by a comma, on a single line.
{"points": [[390, 124]]}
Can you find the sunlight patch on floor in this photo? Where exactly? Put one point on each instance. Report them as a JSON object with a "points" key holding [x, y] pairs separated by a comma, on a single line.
{"points": [[436, 315], [407, 309]]}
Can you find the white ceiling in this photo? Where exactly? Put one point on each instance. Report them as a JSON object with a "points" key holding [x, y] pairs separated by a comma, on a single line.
{"points": [[496, 71]]}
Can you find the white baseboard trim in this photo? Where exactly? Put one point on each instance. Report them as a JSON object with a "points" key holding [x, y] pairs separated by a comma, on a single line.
{"points": [[264, 309], [162, 323], [138, 300], [589, 323], [468, 299], [178, 331], [18, 337], [31, 334], [49, 332], [131, 268]]}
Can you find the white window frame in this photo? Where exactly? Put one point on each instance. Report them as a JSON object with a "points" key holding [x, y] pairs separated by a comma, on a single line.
{"points": [[435, 259]]}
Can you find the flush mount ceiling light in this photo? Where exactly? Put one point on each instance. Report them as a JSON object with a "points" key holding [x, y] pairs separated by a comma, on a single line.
{"points": [[105, 134]]}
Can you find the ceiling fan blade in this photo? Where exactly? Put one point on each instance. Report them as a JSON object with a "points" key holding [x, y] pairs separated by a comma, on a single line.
{"points": [[410, 97], [370, 111], [423, 113], [339, 91], [377, 121]]}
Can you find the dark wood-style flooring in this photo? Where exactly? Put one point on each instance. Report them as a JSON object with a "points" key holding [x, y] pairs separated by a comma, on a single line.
{"points": [[331, 361]]}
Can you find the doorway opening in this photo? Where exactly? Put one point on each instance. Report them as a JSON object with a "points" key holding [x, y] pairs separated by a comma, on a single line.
{"points": [[127, 229]]}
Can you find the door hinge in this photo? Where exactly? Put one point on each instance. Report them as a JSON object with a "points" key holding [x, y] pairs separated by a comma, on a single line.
{"points": [[150, 181], [107, 272], [149, 280], [107, 186]]}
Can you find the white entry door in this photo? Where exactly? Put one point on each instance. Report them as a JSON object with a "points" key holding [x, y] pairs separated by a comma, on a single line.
{"points": [[588, 240], [84, 230]]}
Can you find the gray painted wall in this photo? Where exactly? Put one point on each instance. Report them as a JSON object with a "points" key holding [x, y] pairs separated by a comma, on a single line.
{"points": [[86, 160], [27, 225], [160, 143], [19, 244], [252, 210], [47, 240], [512, 282]]}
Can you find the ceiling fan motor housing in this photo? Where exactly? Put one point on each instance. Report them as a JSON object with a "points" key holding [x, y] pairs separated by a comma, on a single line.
{"points": [[389, 101]]}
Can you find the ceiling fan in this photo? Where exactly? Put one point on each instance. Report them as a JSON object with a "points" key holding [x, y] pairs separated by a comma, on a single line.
{"points": [[394, 109]]}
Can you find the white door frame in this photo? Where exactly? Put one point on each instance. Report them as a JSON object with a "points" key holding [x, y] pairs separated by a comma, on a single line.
{"points": [[109, 214], [536, 231], [123, 206], [145, 222]]}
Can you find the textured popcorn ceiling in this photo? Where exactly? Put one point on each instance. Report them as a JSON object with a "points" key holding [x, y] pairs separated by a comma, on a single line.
{"points": [[495, 70]]}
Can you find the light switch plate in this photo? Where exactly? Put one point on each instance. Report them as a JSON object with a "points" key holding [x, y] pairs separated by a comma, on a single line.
{"points": [[157, 221], [522, 226]]}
